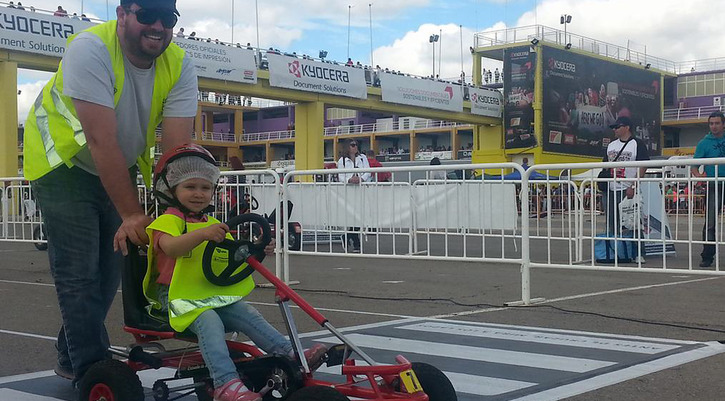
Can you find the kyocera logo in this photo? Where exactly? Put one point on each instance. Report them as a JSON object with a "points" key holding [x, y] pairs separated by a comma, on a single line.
{"points": [[561, 65], [449, 91], [224, 71], [294, 68], [485, 99], [313, 71]]}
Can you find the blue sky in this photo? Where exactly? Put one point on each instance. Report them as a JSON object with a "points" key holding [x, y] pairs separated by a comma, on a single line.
{"points": [[401, 27]]}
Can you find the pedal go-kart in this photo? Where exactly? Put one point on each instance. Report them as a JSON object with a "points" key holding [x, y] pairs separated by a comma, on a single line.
{"points": [[277, 377]]}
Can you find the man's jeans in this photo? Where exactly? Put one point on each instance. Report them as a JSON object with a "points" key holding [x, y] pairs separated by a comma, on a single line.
{"points": [[211, 326], [610, 203], [712, 210], [81, 222]]}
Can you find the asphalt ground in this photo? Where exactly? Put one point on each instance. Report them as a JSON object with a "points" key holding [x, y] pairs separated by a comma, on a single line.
{"points": [[355, 291]]}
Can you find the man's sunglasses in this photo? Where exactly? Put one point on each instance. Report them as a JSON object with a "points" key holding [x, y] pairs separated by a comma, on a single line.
{"points": [[150, 16], [353, 144]]}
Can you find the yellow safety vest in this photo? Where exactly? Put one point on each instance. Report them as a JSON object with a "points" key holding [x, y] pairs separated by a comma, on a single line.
{"points": [[190, 293], [53, 134]]}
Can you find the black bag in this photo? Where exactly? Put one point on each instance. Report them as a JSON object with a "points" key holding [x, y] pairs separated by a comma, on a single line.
{"points": [[606, 173]]}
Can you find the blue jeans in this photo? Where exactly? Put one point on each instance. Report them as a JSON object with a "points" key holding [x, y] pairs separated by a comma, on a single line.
{"points": [[212, 325], [81, 221]]}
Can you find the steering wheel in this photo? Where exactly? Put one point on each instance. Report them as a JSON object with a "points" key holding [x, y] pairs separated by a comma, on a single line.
{"points": [[254, 236]]}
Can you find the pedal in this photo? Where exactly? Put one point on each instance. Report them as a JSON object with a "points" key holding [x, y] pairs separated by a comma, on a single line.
{"points": [[338, 354]]}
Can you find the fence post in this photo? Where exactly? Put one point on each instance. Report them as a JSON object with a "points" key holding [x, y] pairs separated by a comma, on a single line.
{"points": [[525, 244]]}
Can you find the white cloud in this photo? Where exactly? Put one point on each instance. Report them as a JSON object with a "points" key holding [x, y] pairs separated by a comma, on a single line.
{"points": [[668, 28], [413, 53], [28, 93]]}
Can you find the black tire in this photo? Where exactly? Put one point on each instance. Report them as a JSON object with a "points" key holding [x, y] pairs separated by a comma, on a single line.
{"points": [[205, 392], [317, 393], [41, 246], [111, 380], [435, 384]]}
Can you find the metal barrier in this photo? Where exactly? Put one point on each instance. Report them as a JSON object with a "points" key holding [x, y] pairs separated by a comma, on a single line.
{"points": [[455, 212], [422, 213], [657, 238]]}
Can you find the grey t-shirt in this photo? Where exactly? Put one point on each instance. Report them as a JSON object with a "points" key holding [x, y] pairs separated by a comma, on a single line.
{"points": [[88, 75]]}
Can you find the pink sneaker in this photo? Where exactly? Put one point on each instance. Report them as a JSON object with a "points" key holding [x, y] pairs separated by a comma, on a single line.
{"points": [[234, 390], [316, 356]]}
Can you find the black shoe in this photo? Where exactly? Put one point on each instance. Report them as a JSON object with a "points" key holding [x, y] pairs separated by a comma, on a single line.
{"points": [[64, 372], [706, 263]]}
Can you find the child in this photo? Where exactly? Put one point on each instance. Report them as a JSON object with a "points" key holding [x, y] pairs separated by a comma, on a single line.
{"points": [[184, 181]]}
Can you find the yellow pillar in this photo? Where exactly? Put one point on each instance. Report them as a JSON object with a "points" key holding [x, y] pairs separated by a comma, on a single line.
{"points": [[9, 119], [309, 135], [209, 126], [238, 125], [413, 146], [198, 122], [476, 73], [268, 153], [539, 104], [455, 142]]}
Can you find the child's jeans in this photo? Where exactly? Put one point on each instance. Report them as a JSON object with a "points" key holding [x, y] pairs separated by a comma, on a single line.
{"points": [[211, 326]]}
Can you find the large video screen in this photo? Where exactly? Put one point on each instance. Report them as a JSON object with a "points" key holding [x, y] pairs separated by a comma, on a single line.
{"points": [[519, 66], [584, 95]]}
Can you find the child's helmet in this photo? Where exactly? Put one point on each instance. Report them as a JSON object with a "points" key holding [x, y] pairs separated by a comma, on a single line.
{"points": [[179, 164]]}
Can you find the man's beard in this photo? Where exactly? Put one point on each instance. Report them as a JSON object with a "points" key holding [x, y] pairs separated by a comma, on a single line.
{"points": [[136, 42]]}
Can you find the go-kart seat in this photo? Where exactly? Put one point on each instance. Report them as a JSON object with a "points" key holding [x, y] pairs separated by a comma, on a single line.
{"points": [[135, 314]]}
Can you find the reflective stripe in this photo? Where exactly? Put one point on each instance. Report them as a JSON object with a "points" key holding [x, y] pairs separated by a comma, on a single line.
{"points": [[70, 118], [41, 120], [180, 307]]}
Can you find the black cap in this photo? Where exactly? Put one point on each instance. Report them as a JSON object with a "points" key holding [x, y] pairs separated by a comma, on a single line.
{"points": [[622, 121], [154, 4]]}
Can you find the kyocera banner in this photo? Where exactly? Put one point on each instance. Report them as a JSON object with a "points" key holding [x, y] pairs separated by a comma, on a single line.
{"points": [[486, 102], [584, 95], [37, 33], [421, 92], [313, 76], [218, 61], [519, 65]]}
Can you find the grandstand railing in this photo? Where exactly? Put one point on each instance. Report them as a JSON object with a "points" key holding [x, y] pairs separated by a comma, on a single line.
{"points": [[263, 136], [710, 64], [390, 127], [689, 113], [525, 34]]}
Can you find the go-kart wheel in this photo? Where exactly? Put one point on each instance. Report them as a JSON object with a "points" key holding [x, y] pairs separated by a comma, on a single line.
{"points": [[204, 392], [110, 380], [317, 393], [37, 235], [435, 384], [236, 252]]}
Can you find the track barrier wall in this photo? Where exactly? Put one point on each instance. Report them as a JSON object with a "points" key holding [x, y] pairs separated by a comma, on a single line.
{"points": [[548, 216]]}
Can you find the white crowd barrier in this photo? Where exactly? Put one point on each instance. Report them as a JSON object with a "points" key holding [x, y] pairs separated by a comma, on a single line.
{"points": [[549, 216]]}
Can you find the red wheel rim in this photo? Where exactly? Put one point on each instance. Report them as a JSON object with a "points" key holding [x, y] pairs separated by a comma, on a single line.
{"points": [[101, 392]]}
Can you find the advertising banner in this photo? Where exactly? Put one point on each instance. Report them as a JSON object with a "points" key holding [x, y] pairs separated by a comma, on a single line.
{"points": [[314, 76], [421, 92], [37, 33], [584, 95], [218, 61], [486, 102], [519, 66]]}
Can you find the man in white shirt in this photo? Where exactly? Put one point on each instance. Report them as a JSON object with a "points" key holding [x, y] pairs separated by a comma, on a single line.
{"points": [[624, 148], [350, 160]]}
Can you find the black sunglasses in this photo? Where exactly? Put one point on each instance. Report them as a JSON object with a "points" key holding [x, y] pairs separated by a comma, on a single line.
{"points": [[150, 16], [353, 144]]}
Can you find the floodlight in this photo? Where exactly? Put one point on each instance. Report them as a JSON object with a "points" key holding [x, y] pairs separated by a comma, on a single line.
{"points": [[534, 41]]}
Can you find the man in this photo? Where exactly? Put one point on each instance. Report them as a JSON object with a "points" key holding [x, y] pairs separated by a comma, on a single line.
{"points": [[624, 148], [712, 145], [353, 159], [89, 131], [373, 162]]}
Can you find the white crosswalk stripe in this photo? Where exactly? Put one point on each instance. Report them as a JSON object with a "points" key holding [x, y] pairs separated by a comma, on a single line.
{"points": [[578, 365], [482, 361]]}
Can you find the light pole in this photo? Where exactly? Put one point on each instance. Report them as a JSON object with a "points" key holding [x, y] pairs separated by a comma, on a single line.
{"points": [[349, 10], [232, 23], [432, 40], [372, 63], [564, 20]]}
